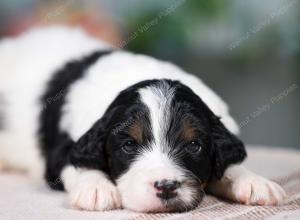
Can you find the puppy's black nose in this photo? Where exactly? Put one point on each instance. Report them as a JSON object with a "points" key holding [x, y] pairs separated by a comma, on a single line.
{"points": [[166, 188]]}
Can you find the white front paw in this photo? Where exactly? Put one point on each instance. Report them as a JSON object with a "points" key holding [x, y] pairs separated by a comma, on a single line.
{"points": [[95, 194], [252, 189]]}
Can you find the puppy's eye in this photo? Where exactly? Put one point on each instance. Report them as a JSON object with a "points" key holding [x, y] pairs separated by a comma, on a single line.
{"points": [[193, 147], [129, 147]]}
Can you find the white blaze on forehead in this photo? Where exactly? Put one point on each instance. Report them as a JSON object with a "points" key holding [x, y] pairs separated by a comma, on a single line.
{"points": [[158, 100]]}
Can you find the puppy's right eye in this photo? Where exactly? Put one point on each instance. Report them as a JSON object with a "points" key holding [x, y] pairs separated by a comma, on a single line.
{"points": [[129, 147], [193, 147]]}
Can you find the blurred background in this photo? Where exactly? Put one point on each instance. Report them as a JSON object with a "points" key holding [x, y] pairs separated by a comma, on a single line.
{"points": [[247, 51]]}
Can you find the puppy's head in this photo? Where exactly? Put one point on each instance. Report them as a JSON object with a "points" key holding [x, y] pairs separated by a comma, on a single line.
{"points": [[160, 144]]}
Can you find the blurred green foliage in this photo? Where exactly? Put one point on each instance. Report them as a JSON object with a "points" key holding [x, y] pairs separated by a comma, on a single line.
{"points": [[169, 36], [208, 8]]}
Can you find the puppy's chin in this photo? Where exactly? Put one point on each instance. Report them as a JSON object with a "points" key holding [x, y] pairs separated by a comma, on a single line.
{"points": [[151, 204], [148, 205]]}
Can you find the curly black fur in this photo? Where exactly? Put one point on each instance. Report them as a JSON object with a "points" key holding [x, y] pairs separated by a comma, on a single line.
{"points": [[228, 148]]}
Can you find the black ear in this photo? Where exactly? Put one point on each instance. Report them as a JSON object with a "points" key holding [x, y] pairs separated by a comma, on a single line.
{"points": [[89, 151], [227, 147]]}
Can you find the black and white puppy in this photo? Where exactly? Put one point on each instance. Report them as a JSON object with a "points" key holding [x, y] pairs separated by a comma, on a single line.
{"points": [[116, 129]]}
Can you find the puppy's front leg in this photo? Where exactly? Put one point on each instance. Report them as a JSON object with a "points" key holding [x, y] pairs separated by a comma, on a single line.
{"points": [[90, 189], [241, 185]]}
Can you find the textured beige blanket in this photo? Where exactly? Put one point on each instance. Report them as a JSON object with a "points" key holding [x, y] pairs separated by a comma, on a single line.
{"points": [[23, 198]]}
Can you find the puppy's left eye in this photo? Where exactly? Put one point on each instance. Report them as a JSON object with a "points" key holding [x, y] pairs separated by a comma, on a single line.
{"points": [[193, 147]]}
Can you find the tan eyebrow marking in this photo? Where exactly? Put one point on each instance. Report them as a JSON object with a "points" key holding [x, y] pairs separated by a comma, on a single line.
{"points": [[136, 131], [188, 132]]}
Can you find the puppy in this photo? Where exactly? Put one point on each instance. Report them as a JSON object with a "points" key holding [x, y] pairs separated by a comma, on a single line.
{"points": [[116, 129]]}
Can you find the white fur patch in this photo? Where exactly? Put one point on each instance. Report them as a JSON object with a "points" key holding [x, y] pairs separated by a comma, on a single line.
{"points": [[90, 190], [158, 101]]}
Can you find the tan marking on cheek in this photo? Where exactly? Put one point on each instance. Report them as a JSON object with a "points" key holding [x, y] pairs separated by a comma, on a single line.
{"points": [[136, 132], [203, 185]]}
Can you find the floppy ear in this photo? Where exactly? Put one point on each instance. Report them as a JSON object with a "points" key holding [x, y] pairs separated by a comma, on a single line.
{"points": [[227, 147], [89, 151]]}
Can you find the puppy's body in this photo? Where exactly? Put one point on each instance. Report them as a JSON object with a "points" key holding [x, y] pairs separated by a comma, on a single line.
{"points": [[47, 105], [32, 60]]}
